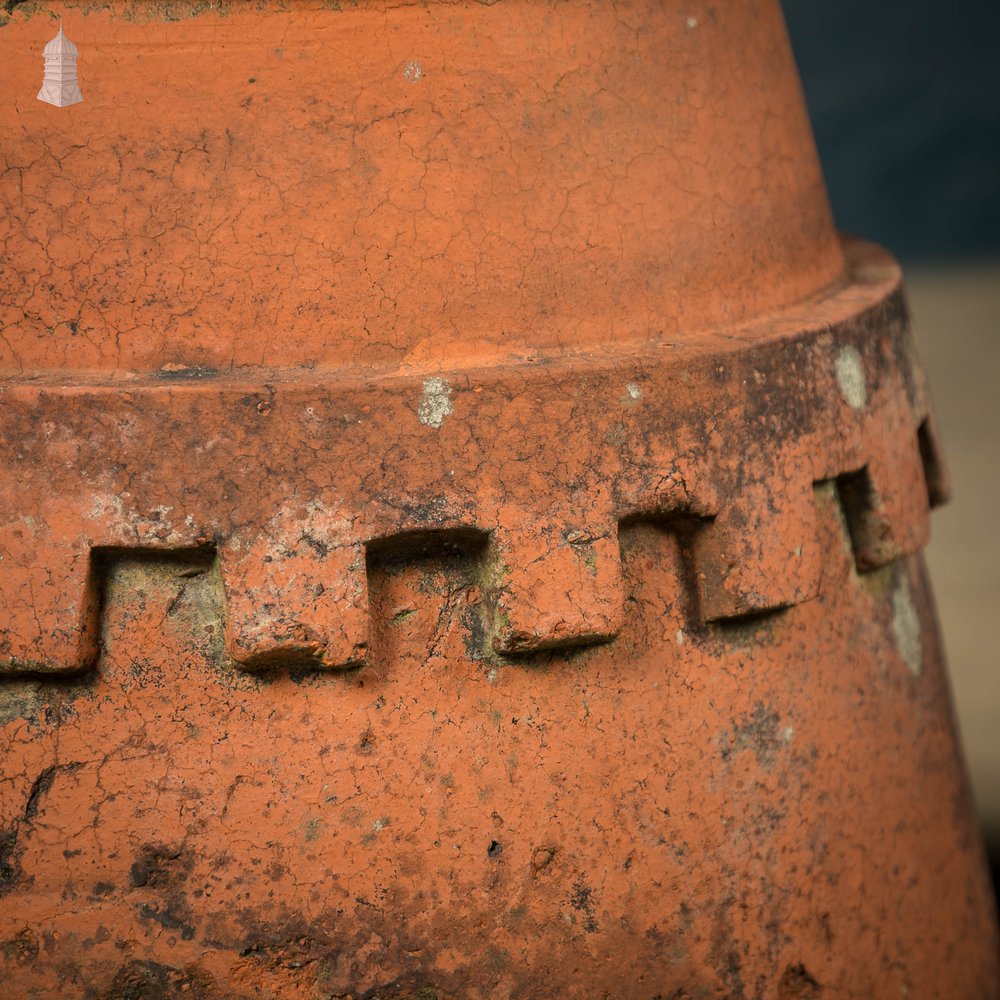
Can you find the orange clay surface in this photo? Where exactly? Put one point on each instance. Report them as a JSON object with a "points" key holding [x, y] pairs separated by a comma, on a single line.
{"points": [[773, 809], [387, 184], [460, 514], [294, 481]]}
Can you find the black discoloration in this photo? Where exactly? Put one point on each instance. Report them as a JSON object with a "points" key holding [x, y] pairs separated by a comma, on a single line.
{"points": [[164, 871], [797, 984], [399, 989], [169, 920], [10, 847], [181, 374], [757, 732], [152, 981], [22, 948], [286, 933], [39, 788], [582, 899], [159, 866], [725, 951], [10, 867]]}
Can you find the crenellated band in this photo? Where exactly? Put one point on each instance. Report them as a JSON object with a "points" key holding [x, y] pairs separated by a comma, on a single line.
{"points": [[295, 478]]}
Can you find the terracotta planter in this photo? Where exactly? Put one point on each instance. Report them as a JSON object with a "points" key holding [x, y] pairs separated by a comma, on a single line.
{"points": [[460, 521]]}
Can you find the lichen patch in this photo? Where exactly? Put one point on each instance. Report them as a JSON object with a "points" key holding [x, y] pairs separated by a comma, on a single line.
{"points": [[413, 71], [850, 372], [906, 627], [435, 403]]}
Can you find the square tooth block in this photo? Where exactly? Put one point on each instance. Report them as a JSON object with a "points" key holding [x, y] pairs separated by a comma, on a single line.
{"points": [[287, 600], [932, 458], [562, 587], [761, 552], [49, 608], [887, 505]]}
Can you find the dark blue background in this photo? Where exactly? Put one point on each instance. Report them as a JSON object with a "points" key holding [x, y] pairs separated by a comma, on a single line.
{"points": [[905, 103]]}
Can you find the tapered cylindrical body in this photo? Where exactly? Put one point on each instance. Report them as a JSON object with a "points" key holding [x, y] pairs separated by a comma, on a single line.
{"points": [[460, 522]]}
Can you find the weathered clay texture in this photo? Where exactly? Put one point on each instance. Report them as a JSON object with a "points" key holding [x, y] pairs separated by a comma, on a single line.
{"points": [[460, 514], [292, 480], [280, 186]]}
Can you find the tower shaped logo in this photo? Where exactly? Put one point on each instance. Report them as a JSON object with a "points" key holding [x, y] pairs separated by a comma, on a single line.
{"points": [[59, 87]]}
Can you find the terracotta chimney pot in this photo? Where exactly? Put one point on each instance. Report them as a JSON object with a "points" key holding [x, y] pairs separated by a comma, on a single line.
{"points": [[461, 507]]}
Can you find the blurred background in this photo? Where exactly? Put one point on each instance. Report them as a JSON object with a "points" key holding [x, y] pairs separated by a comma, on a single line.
{"points": [[905, 102]]}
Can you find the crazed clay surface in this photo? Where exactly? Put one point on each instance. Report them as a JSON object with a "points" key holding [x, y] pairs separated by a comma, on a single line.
{"points": [[460, 510], [704, 794], [266, 184], [296, 481], [444, 823]]}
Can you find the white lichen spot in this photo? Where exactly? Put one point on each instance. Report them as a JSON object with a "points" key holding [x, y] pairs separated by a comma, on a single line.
{"points": [[413, 71], [379, 824], [787, 734], [851, 377], [906, 627], [679, 637], [634, 391], [692, 23], [492, 675], [435, 403], [109, 509]]}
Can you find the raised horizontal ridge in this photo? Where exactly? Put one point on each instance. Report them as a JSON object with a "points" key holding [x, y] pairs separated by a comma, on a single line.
{"points": [[296, 486]]}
